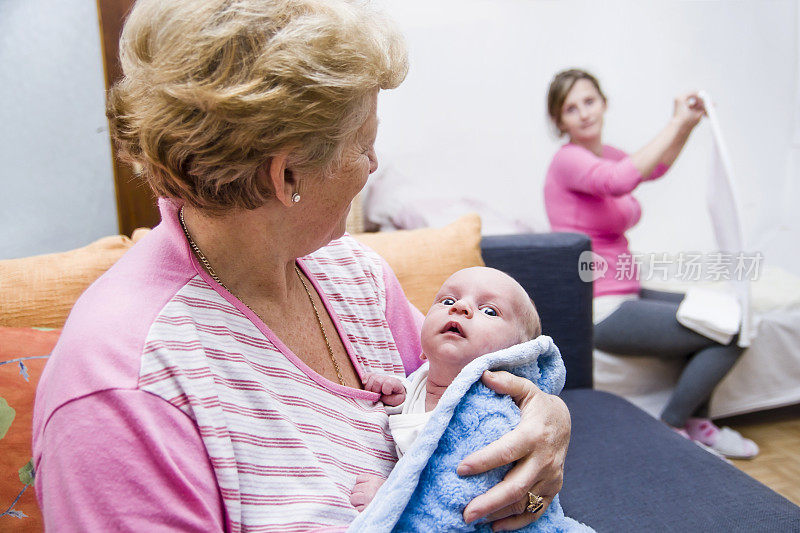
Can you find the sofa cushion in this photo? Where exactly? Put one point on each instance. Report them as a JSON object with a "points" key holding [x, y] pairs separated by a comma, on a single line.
{"points": [[41, 290], [423, 259], [626, 471], [17, 343]]}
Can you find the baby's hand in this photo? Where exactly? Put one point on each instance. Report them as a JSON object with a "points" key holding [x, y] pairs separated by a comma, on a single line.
{"points": [[363, 492], [391, 389]]}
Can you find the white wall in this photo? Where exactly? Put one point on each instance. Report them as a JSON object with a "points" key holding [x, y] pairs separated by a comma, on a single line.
{"points": [[56, 174], [470, 119]]}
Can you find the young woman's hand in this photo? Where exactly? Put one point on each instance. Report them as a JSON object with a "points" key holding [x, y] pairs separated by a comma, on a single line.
{"points": [[688, 110], [538, 445]]}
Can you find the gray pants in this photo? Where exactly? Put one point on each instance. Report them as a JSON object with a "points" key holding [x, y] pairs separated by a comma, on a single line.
{"points": [[648, 327]]}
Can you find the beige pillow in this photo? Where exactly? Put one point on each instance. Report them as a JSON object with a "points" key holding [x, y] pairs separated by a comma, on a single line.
{"points": [[41, 290], [423, 259]]}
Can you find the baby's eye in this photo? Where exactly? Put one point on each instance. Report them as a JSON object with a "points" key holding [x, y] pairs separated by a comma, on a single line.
{"points": [[491, 311], [448, 301]]}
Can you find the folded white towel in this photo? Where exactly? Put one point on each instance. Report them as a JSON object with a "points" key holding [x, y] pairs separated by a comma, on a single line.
{"points": [[711, 313]]}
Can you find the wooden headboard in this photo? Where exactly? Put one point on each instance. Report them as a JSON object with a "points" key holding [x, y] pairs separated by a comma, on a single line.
{"points": [[136, 204]]}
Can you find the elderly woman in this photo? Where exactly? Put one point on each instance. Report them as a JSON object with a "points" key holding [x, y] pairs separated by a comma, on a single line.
{"points": [[588, 189], [212, 380]]}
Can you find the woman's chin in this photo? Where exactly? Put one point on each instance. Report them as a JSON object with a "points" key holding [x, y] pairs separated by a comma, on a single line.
{"points": [[587, 141], [593, 132]]}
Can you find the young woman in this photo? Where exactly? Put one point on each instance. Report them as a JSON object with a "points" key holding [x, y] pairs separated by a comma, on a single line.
{"points": [[588, 189]]}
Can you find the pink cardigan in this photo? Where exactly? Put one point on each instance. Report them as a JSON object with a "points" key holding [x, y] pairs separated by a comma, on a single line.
{"points": [[588, 194]]}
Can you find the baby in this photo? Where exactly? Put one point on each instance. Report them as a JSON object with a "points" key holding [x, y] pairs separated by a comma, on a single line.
{"points": [[477, 311]]}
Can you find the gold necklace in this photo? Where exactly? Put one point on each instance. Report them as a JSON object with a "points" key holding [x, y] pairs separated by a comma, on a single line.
{"points": [[207, 266], [321, 328]]}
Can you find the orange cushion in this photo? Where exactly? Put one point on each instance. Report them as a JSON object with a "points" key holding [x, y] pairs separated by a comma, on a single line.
{"points": [[39, 291], [424, 258], [16, 343]]}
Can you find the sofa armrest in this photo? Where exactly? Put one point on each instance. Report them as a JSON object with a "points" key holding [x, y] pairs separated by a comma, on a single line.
{"points": [[546, 265]]}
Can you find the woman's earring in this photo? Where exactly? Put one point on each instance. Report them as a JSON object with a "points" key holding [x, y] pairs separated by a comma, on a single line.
{"points": [[296, 195]]}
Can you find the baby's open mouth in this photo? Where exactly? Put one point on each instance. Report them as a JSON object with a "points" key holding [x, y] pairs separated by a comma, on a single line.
{"points": [[453, 327]]}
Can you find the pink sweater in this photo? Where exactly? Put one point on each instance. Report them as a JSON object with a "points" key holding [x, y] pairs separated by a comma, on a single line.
{"points": [[167, 405], [588, 194]]}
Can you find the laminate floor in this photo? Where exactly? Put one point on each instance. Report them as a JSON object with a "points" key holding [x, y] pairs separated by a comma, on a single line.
{"points": [[777, 433]]}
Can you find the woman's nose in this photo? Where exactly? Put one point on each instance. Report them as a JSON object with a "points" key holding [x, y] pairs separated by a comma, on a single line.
{"points": [[461, 307], [583, 112]]}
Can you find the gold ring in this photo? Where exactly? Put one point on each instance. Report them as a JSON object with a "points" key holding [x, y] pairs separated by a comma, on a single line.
{"points": [[535, 503]]}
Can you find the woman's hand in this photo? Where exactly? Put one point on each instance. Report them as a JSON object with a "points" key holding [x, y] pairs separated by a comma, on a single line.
{"points": [[538, 445], [669, 142], [689, 109]]}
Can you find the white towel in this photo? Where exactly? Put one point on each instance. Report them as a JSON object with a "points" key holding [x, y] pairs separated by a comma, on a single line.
{"points": [[713, 314], [723, 206]]}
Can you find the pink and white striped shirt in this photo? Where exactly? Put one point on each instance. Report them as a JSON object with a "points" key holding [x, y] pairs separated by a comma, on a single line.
{"points": [[168, 405]]}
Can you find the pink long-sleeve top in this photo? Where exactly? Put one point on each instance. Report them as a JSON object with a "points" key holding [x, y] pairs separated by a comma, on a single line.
{"points": [[167, 405], [588, 194]]}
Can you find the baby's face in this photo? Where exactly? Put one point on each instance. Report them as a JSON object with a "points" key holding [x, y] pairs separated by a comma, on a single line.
{"points": [[477, 311]]}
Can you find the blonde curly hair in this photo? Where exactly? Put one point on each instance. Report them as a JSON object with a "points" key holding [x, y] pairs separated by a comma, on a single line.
{"points": [[213, 88]]}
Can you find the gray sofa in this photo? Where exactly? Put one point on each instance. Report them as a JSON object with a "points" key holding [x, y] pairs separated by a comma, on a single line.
{"points": [[626, 471]]}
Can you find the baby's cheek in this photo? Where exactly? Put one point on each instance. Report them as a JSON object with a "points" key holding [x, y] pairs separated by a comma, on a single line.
{"points": [[491, 343], [424, 341], [499, 339]]}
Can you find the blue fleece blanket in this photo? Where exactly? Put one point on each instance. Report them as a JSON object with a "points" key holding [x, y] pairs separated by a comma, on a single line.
{"points": [[423, 491]]}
